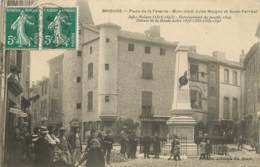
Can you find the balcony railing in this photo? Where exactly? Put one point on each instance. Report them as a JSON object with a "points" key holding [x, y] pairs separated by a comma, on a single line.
{"points": [[147, 112]]}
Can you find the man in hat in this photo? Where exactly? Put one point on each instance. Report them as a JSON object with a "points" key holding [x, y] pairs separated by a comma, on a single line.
{"points": [[173, 143], [32, 153], [176, 150], [43, 149], [156, 146], [108, 145], [75, 144], [94, 155], [65, 156], [146, 144], [93, 135]]}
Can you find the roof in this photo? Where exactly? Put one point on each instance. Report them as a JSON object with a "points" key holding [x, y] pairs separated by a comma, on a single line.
{"points": [[207, 58], [131, 35], [90, 27], [111, 25], [252, 51], [56, 58], [142, 37]]}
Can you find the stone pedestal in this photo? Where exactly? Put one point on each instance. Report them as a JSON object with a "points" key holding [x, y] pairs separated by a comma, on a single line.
{"points": [[182, 126]]}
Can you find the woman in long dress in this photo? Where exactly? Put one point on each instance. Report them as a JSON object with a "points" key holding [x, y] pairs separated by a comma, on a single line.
{"points": [[94, 155], [19, 26], [56, 26]]}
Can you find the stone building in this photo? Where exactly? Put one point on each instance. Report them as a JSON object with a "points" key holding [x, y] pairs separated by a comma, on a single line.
{"points": [[217, 83], [122, 74], [40, 103], [127, 75], [252, 94]]}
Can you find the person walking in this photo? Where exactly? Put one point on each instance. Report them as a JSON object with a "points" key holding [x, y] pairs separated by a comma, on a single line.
{"points": [[208, 149], [240, 143], [157, 146], [173, 143], [101, 140], [176, 150], [43, 149], [65, 155], [94, 155], [134, 146], [108, 145], [129, 146], [123, 143], [75, 144], [93, 135], [147, 144], [202, 149], [54, 148]]}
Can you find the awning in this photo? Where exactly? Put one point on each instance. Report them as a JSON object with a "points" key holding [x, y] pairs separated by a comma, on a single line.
{"points": [[18, 112]]}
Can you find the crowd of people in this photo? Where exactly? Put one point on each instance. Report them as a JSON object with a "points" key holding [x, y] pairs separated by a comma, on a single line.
{"points": [[129, 143], [49, 147]]}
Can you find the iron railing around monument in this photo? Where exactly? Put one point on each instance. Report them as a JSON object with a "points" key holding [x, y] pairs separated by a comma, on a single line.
{"points": [[166, 146]]}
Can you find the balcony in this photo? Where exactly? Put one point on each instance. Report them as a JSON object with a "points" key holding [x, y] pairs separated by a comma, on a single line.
{"points": [[147, 112], [108, 116]]}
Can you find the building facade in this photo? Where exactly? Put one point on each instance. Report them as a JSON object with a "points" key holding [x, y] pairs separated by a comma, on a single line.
{"points": [[125, 75], [251, 125], [217, 83], [40, 103], [55, 96], [121, 74]]}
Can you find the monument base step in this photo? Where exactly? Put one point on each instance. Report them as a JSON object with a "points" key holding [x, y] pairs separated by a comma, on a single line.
{"points": [[189, 149]]}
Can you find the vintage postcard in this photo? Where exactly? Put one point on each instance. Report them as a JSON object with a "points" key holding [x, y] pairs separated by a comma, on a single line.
{"points": [[133, 83]]}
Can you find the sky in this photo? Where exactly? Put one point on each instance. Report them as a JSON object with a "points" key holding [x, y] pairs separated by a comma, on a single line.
{"points": [[229, 36]]}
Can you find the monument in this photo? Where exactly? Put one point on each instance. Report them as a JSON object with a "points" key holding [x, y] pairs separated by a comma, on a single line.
{"points": [[181, 122]]}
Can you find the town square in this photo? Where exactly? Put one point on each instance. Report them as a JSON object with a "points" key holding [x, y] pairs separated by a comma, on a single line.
{"points": [[135, 83]]}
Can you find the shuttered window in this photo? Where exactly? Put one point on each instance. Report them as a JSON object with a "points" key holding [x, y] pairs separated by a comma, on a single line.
{"points": [[90, 70], [90, 101], [147, 101], [147, 70]]}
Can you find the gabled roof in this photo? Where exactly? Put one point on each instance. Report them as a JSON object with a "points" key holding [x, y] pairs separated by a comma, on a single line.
{"points": [[132, 35], [212, 59]]}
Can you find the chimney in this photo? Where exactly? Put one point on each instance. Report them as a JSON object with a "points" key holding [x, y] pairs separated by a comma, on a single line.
{"points": [[219, 54], [153, 32], [242, 56], [192, 50]]}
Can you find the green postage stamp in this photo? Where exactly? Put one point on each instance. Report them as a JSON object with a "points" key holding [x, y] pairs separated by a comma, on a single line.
{"points": [[59, 29], [22, 28]]}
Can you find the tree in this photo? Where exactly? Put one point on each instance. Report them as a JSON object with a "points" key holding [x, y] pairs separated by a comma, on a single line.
{"points": [[127, 125]]}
